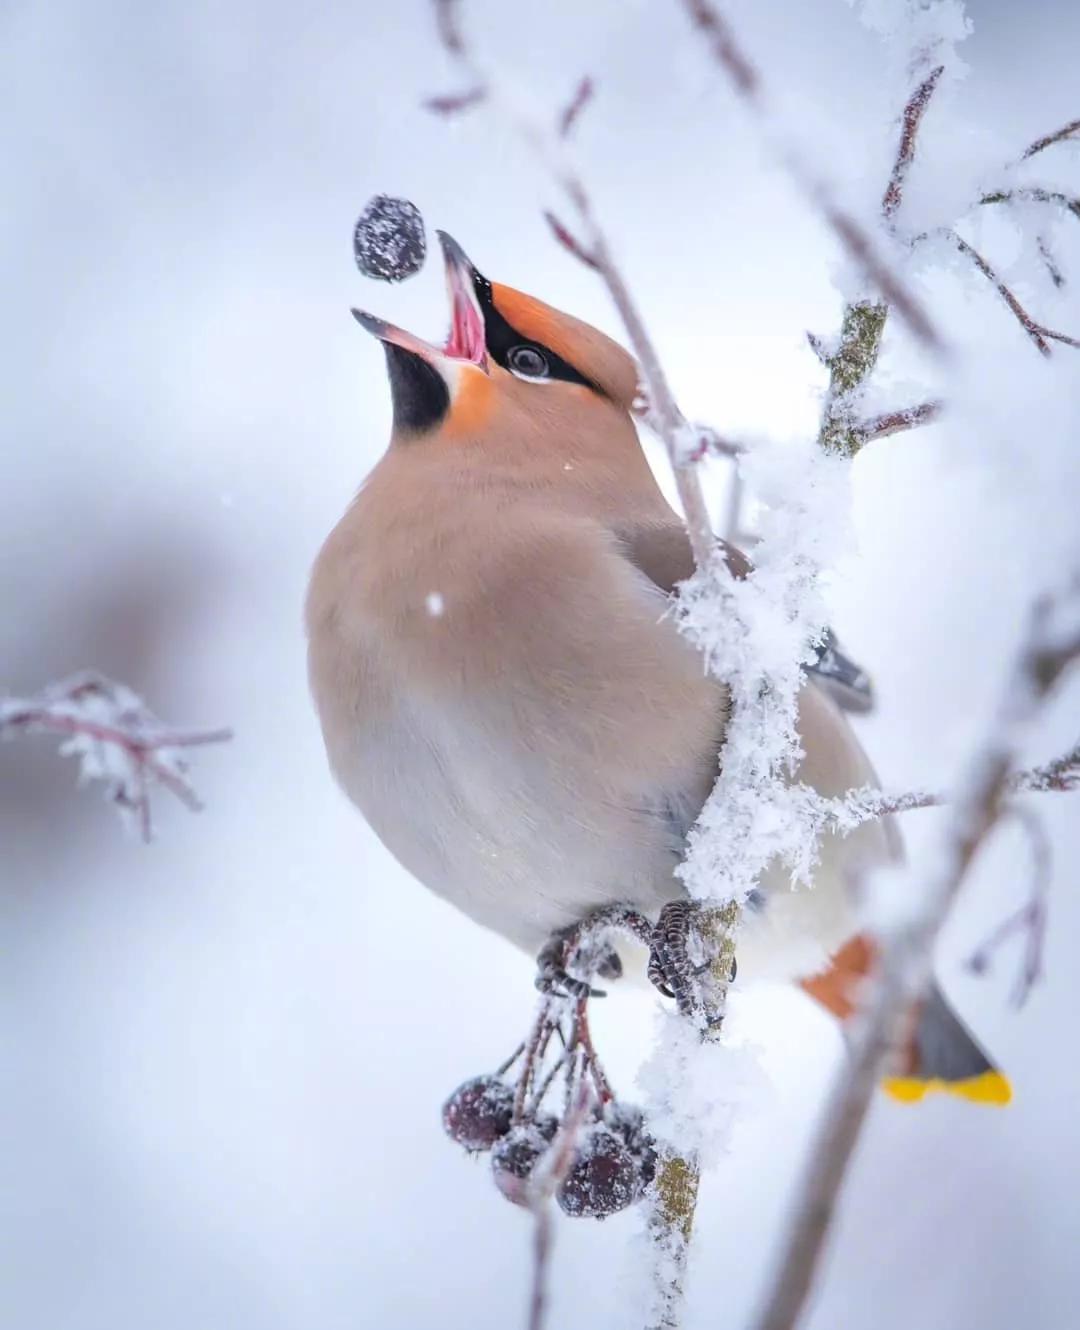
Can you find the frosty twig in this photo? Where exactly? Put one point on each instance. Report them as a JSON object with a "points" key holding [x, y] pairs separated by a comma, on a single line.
{"points": [[1039, 334], [860, 246], [904, 961], [117, 739], [863, 324]]}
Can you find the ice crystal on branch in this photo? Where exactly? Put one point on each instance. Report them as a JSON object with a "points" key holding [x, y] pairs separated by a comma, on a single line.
{"points": [[116, 739]]}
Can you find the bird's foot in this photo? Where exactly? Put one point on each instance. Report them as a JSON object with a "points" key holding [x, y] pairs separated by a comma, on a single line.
{"points": [[583, 947], [671, 968]]}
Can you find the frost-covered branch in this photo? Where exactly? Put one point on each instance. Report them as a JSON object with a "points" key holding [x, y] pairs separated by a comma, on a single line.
{"points": [[1069, 131], [842, 815], [896, 422], [116, 739], [1039, 334], [905, 948], [863, 324], [857, 242]]}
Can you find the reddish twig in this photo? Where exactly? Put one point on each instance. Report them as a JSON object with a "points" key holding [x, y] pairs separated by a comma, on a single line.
{"points": [[912, 118], [117, 739], [570, 242], [452, 103], [583, 95], [1065, 132], [543, 1185], [747, 82], [1039, 334], [895, 422]]}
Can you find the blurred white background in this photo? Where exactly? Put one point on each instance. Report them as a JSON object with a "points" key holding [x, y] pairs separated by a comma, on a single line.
{"points": [[223, 1056]]}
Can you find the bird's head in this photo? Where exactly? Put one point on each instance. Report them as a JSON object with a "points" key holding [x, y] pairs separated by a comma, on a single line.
{"points": [[512, 368]]}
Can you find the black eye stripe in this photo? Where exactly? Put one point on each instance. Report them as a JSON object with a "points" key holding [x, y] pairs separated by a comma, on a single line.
{"points": [[502, 338]]}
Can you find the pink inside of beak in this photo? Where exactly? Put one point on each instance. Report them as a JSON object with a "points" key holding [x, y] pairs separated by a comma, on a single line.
{"points": [[466, 339]]}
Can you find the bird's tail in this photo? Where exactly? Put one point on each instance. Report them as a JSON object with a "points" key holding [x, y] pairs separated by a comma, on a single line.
{"points": [[942, 1054]]}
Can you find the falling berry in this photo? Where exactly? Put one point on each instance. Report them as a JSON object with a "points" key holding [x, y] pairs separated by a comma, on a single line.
{"points": [[603, 1179], [478, 1113], [515, 1157], [389, 242]]}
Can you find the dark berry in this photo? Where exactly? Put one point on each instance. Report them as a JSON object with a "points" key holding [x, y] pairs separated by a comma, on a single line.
{"points": [[478, 1113], [514, 1158], [603, 1179], [388, 241], [628, 1121]]}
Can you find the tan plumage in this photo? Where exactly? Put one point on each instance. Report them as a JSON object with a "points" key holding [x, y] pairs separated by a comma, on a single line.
{"points": [[500, 691]]}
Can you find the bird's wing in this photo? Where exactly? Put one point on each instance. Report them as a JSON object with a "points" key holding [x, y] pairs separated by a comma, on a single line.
{"points": [[661, 550]]}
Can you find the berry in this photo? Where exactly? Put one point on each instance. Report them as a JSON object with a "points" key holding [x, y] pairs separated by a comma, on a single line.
{"points": [[628, 1121], [388, 241], [515, 1157], [478, 1113], [603, 1179]]}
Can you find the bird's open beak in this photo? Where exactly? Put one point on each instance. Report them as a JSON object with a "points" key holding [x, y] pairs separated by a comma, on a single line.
{"points": [[465, 341]]}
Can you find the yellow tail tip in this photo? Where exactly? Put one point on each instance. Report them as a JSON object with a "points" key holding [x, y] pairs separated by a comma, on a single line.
{"points": [[991, 1087]]}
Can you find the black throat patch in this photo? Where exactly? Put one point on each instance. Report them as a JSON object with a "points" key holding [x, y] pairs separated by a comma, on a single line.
{"points": [[421, 397]]}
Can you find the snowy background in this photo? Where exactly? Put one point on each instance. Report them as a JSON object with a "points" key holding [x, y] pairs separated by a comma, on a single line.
{"points": [[223, 1056]]}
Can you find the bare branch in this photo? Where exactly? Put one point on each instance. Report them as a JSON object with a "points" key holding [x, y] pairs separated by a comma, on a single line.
{"points": [[570, 242], [863, 325], [913, 114], [543, 1185], [858, 243], [453, 103], [904, 963], [116, 738], [1071, 130], [583, 95], [895, 422], [1033, 194], [1053, 271], [1039, 334], [448, 24]]}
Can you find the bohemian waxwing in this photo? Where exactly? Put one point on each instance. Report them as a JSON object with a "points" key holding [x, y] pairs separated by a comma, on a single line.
{"points": [[500, 691]]}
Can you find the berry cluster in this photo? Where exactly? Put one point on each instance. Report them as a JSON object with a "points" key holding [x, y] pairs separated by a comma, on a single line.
{"points": [[595, 1156]]}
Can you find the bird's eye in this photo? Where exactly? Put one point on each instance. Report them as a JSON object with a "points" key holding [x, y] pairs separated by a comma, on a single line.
{"points": [[528, 362]]}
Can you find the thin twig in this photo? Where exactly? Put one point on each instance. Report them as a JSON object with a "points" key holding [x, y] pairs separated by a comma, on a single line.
{"points": [[895, 422], [904, 965], [1036, 331], [593, 248], [855, 239], [863, 324], [1053, 269], [1033, 194], [1065, 132], [583, 95], [116, 737], [569, 241], [543, 1184], [913, 114]]}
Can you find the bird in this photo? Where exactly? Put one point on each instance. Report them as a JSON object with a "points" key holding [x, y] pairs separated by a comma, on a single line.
{"points": [[503, 695]]}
